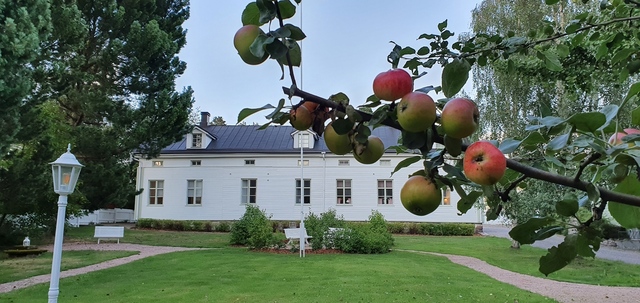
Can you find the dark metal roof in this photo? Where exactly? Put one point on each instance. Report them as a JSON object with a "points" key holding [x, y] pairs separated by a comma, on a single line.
{"points": [[273, 139]]}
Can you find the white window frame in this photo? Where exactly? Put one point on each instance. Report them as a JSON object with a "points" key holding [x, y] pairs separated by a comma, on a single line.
{"points": [[246, 196], [156, 192], [196, 162], [385, 162], [343, 192], [196, 140], [249, 162], [194, 192], [385, 191], [305, 162], [343, 162], [158, 163], [306, 191]]}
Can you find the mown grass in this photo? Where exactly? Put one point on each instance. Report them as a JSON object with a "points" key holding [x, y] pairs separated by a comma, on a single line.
{"points": [[497, 251], [14, 269], [237, 275], [155, 237]]}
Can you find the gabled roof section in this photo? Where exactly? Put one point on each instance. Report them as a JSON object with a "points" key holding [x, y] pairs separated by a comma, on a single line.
{"points": [[206, 131], [273, 139]]}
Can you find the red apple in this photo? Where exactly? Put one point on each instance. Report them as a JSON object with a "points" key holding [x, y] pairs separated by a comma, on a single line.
{"points": [[416, 112], [242, 41], [484, 163], [420, 196], [459, 118], [392, 84], [616, 138], [301, 118]]}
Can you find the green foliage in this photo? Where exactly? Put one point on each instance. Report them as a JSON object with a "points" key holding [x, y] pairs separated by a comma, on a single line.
{"points": [[253, 229], [371, 237], [318, 228]]}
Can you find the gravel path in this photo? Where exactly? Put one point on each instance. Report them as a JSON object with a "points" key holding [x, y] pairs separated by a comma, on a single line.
{"points": [[145, 251], [561, 291]]}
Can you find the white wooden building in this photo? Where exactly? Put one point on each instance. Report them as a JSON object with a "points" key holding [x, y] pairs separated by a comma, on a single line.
{"points": [[216, 170]]}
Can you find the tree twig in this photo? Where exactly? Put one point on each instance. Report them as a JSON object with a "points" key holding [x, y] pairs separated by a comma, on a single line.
{"points": [[531, 172], [504, 196], [291, 73], [593, 157]]}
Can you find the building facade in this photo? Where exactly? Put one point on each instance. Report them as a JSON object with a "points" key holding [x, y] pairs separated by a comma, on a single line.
{"points": [[215, 171]]}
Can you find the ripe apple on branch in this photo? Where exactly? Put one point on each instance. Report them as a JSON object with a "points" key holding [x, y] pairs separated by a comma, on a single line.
{"points": [[603, 170]]}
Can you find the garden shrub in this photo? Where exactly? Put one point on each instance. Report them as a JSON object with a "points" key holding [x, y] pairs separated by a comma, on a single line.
{"points": [[196, 225], [144, 223], [223, 227], [208, 226], [253, 229], [318, 228], [614, 232], [372, 237]]}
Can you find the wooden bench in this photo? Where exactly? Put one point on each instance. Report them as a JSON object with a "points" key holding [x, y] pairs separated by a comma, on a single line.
{"points": [[293, 234], [109, 232]]}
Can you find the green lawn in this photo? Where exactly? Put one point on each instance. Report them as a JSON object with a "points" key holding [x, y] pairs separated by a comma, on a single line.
{"points": [[496, 251], [236, 275], [154, 237], [14, 269]]}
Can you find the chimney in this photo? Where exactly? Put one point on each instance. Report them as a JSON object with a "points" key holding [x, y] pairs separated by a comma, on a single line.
{"points": [[204, 119]]}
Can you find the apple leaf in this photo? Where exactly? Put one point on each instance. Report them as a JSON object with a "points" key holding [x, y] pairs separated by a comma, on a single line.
{"points": [[295, 54], [257, 48], [610, 112], [633, 91], [509, 145], [550, 2], [287, 9], [413, 140], [525, 233], [588, 122], [296, 33], [246, 112], [552, 62], [559, 142], [568, 206], [251, 15], [342, 126], [379, 115], [442, 25], [405, 163], [455, 76], [267, 10], [559, 257], [628, 216], [635, 116], [276, 49], [275, 111]]}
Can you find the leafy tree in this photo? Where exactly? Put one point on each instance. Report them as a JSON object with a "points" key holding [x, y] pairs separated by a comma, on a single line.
{"points": [[573, 140], [218, 120], [25, 24], [104, 82]]}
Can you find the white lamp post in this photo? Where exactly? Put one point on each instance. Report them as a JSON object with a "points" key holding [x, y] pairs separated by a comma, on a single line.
{"points": [[66, 170]]}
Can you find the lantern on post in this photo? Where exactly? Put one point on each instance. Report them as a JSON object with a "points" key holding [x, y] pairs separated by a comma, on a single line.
{"points": [[66, 170]]}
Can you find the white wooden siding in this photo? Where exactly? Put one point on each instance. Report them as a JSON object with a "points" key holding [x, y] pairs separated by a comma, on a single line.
{"points": [[276, 175]]}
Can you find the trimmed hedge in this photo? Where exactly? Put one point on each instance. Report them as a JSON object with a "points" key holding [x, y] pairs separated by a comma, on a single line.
{"points": [[330, 220], [21, 252]]}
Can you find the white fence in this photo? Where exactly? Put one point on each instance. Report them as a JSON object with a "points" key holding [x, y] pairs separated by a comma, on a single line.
{"points": [[634, 234], [100, 216]]}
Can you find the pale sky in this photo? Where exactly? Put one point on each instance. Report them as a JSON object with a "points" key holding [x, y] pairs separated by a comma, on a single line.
{"points": [[346, 47]]}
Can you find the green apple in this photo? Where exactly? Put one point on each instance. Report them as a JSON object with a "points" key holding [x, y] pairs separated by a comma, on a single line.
{"points": [[420, 196], [337, 144], [242, 41], [484, 163], [459, 118], [372, 152], [416, 112], [392, 84]]}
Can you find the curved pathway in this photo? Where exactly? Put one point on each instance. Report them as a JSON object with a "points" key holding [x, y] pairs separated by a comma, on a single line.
{"points": [[561, 291], [145, 251]]}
